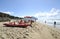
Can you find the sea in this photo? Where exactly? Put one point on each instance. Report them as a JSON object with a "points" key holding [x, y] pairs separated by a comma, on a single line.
{"points": [[51, 23]]}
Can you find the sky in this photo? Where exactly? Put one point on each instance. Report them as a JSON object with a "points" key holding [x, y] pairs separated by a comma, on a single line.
{"points": [[42, 9]]}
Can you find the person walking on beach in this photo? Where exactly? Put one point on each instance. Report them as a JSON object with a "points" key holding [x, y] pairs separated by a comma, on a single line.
{"points": [[54, 24]]}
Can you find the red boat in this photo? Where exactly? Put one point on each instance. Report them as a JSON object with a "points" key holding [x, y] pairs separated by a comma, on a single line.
{"points": [[20, 24], [28, 21]]}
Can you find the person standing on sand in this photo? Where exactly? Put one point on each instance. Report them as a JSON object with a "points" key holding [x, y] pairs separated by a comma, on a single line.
{"points": [[45, 21], [54, 24]]}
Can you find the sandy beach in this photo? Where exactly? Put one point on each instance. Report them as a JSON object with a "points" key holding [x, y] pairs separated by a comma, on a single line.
{"points": [[37, 31]]}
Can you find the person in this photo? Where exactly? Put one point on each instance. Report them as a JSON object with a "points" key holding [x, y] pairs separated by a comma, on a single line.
{"points": [[54, 24], [45, 21]]}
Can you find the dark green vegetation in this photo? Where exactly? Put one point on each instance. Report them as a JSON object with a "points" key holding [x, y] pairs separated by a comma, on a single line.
{"points": [[7, 17]]}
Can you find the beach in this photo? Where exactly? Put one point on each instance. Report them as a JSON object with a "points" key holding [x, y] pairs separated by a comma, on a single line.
{"points": [[37, 31]]}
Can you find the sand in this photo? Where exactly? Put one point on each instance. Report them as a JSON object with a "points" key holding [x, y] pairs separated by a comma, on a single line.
{"points": [[37, 31]]}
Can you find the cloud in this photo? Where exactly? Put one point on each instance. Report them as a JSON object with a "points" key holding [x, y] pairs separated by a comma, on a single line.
{"points": [[52, 12], [45, 14], [8, 12]]}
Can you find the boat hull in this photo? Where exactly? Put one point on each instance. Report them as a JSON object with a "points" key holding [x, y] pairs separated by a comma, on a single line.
{"points": [[17, 25]]}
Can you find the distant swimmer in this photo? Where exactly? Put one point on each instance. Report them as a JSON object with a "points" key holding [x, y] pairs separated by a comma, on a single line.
{"points": [[54, 24]]}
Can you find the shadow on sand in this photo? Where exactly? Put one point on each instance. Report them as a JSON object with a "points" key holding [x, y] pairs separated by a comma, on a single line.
{"points": [[15, 26]]}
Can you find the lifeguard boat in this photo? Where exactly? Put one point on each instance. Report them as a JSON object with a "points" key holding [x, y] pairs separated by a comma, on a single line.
{"points": [[27, 21], [19, 24]]}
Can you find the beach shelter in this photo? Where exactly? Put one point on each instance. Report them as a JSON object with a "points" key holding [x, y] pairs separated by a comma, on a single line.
{"points": [[30, 18]]}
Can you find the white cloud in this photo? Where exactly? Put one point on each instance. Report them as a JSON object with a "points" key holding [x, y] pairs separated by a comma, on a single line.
{"points": [[45, 14], [52, 12], [8, 12]]}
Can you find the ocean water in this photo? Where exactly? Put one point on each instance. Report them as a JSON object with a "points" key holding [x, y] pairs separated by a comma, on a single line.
{"points": [[51, 23]]}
